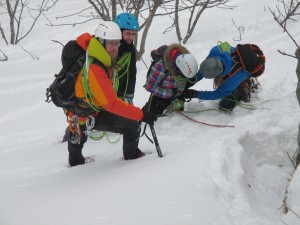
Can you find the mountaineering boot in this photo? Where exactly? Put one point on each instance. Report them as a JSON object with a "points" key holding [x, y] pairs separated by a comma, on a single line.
{"points": [[135, 155], [75, 154], [75, 149], [131, 139]]}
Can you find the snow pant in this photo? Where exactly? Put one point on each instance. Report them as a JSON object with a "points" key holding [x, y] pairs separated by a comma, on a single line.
{"points": [[106, 121], [157, 105]]}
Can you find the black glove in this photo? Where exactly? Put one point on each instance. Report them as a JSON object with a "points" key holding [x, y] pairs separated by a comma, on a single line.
{"points": [[189, 93], [149, 117]]}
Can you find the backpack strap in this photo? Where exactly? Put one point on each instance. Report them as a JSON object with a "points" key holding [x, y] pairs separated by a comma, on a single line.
{"points": [[236, 68]]}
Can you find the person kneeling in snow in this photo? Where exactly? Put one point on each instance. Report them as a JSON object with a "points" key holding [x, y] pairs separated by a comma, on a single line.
{"points": [[235, 72], [108, 112], [172, 71]]}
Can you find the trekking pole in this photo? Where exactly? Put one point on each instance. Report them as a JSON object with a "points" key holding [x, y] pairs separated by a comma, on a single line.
{"points": [[155, 141]]}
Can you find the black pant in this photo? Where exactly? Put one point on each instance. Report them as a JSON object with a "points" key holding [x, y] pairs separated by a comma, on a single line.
{"points": [[242, 93], [157, 105], [107, 121]]}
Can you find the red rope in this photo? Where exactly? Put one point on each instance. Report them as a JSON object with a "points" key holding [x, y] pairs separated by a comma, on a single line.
{"points": [[207, 124]]}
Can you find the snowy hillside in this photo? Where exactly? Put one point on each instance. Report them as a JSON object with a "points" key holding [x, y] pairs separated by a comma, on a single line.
{"points": [[208, 175]]}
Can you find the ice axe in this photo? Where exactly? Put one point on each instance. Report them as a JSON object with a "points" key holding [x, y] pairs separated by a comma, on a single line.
{"points": [[155, 141]]}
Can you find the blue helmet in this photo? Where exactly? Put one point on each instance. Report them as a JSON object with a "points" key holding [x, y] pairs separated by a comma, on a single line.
{"points": [[127, 21]]}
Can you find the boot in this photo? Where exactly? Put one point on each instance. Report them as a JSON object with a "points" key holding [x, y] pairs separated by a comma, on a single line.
{"points": [[135, 155], [75, 154], [130, 144]]}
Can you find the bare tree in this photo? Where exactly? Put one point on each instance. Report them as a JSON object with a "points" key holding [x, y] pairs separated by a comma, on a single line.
{"points": [[287, 10], [145, 10], [195, 8], [17, 11], [277, 17]]}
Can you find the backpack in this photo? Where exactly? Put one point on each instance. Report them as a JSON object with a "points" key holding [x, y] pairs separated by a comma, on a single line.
{"points": [[62, 91], [156, 55], [248, 57]]}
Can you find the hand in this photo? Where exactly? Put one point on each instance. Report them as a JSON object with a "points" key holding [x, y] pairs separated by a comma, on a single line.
{"points": [[189, 93], [149, 117]]}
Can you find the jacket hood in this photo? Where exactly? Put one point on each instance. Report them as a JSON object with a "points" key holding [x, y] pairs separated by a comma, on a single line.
{"points": [[94, 48], [169, 62]]}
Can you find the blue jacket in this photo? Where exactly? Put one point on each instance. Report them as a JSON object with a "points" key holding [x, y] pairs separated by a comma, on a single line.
{"points": [[230, 84]]}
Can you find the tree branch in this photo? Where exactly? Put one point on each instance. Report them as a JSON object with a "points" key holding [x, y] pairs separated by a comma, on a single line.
{"points": [[285, 30], [283, 53], [4, 57], [3, 35], [33, 56]]}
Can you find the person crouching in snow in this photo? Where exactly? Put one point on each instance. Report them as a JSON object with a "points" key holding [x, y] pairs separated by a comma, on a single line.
{"points": [[108, 112], [234, 71], [168, 76]]}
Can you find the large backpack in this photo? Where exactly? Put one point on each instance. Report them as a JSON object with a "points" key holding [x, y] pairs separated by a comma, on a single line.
{"points": [[248, 57], [156, 55], [62, 91]]}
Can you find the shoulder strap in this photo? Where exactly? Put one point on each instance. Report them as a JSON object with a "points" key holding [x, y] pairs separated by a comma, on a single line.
{"points": [[236, 68]]}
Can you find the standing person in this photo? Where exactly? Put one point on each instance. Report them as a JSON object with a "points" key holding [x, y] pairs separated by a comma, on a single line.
{"points": [[169, 77], [94, 86], [126, 62], [233, 70]]}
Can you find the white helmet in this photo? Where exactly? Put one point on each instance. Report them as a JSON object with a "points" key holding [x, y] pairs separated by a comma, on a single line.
{"points": [[187, 64], [108, 30]]}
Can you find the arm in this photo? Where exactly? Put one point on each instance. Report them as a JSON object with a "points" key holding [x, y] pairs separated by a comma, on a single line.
{"points": [[224, 89], [104, 95]]}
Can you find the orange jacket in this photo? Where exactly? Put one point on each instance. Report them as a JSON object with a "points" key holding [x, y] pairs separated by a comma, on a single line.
{"points": [[100, 84]]}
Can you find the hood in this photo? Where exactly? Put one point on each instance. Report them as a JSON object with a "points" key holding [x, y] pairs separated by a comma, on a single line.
{"points": [[94, 48], [169, 58]]}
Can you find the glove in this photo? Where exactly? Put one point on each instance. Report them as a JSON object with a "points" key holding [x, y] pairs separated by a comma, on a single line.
{"points": [[189, 93], [149, 117], [177, 103]]}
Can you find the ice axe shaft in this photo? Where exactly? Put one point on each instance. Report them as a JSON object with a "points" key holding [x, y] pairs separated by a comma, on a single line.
{"points": [[156, 141]]}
